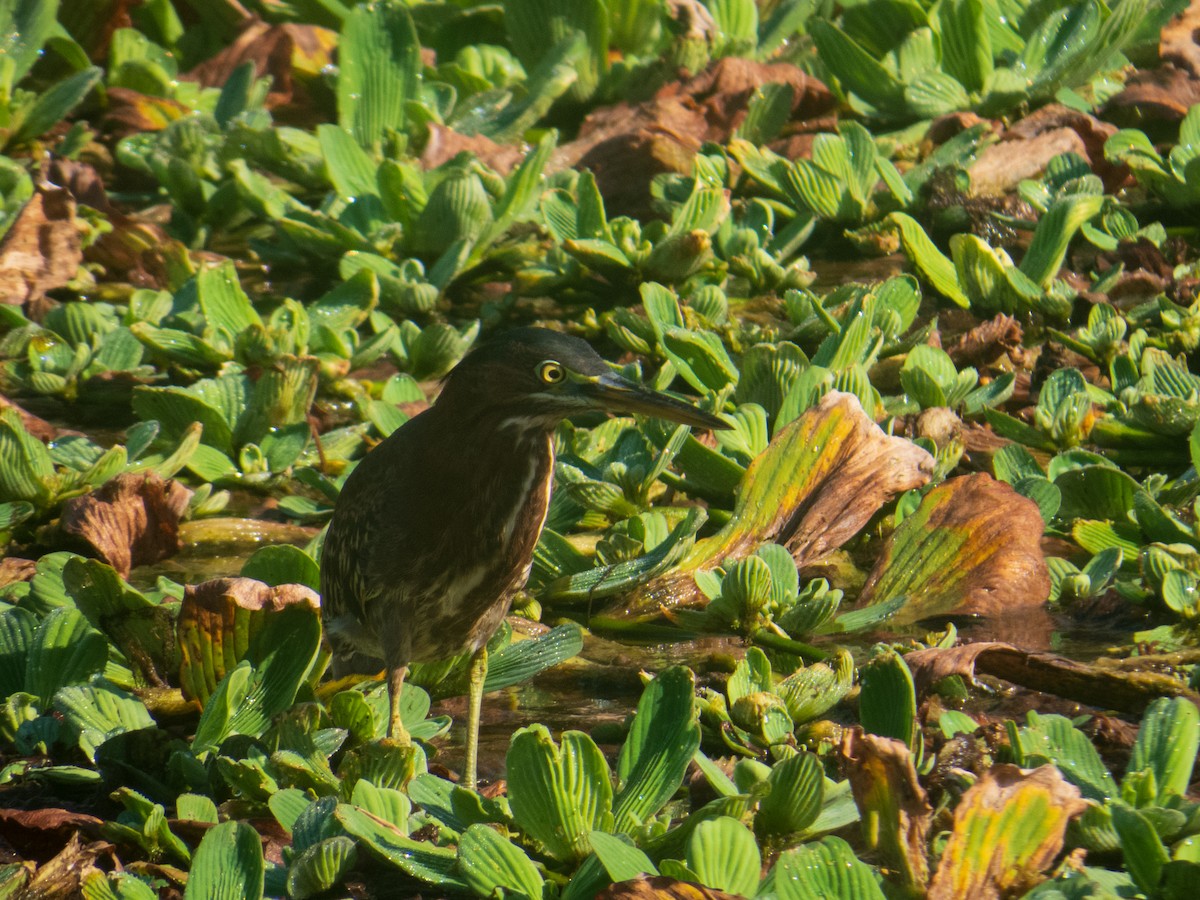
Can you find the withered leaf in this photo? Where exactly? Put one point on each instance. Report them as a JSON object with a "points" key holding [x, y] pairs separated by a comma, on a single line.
{"points": [[987, 340], [660, 887], [971, 548], [290, 54], [1008, 830], [132, 520], [1099, 686], [815, 486], [626, 145], [1004, 165], [14, 569], [41, 251], [895, 809], [218, 619], [443, 144]]}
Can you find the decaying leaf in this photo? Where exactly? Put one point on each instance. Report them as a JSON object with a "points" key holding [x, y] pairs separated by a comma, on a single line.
{"points": [[1008, 830], [132, 520], [130, 111], [61, 875], [41, 251], [660, 887], [987, 340], [894, 807], [290, 54], [815, 486], [14, 569], [971, 548], [217, 621], [1004, 165], [1101, 686], [443, 144], [626, 145]]}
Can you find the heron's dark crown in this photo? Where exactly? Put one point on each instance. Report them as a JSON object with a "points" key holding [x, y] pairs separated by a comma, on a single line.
{"points": [[506, 375]]}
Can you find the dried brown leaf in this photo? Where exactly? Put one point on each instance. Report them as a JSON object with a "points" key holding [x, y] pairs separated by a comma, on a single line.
{"points": [[986, 341], [1161, 95], [41, 251], [443, 144], [1004, 165], [895, 809], [132, 520], [815, 486], [1177, 41], [1008, 830], [291, 55], [14, 569], [971, 548], [660, 887]]}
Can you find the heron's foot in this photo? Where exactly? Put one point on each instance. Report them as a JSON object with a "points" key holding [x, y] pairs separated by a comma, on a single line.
{"points": [[397, 733], [396, 730]]}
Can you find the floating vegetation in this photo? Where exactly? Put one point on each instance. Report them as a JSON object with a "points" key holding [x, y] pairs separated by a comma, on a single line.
{"points": [[921, 622]]}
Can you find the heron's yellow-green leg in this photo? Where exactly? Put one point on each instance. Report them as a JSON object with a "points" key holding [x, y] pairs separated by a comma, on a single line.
{"points": [[396, 730], [479, 665]]}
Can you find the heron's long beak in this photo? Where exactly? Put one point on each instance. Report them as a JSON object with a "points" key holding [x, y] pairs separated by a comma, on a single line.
{"points": [[618, 395]]}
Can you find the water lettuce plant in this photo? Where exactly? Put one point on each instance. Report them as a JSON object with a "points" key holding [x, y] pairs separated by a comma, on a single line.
{"points": [[813, 655]]}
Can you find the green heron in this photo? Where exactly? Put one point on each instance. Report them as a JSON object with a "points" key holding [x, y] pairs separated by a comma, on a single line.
{"points": [[434, 531]]}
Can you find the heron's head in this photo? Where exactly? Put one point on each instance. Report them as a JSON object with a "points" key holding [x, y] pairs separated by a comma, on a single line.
{"points": [[538, 377]]}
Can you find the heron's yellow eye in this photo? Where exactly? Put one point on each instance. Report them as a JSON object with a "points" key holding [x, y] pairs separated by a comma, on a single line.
{"points": [[551, 372]]}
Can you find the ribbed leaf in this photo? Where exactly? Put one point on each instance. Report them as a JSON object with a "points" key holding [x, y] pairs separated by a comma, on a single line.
{"points": [[559, 795], [65, 650], [966, 43], [824, 869], [1167, 744], [17, 627], [662, 740], [1053, 235], [99, 711], [420, 859], [490, 863], [521, 660], [1054, 739], [620, 858], [380, 70], [53, 105], [26, 469], [350, 169], [887, 705], [228, 865], [321, 866], [723, 854], [797, 787], [929, 260], [855, 68], [1145, 855]]}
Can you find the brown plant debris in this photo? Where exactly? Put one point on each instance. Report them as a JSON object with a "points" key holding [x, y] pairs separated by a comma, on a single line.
{"points": [[626, 145], [1177, 41], [1159, 96], [292, 55], [660, 887], [1100, 686], [1008, 830], [987, 341], [817, 484], [442, 144], [217, 621], [41, 251], [14, 569], [132, 520], [895, 809], [971, 548]]}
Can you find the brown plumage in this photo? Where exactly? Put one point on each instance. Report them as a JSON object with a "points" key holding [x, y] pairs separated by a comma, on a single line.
{"points": [[435, 529]]}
